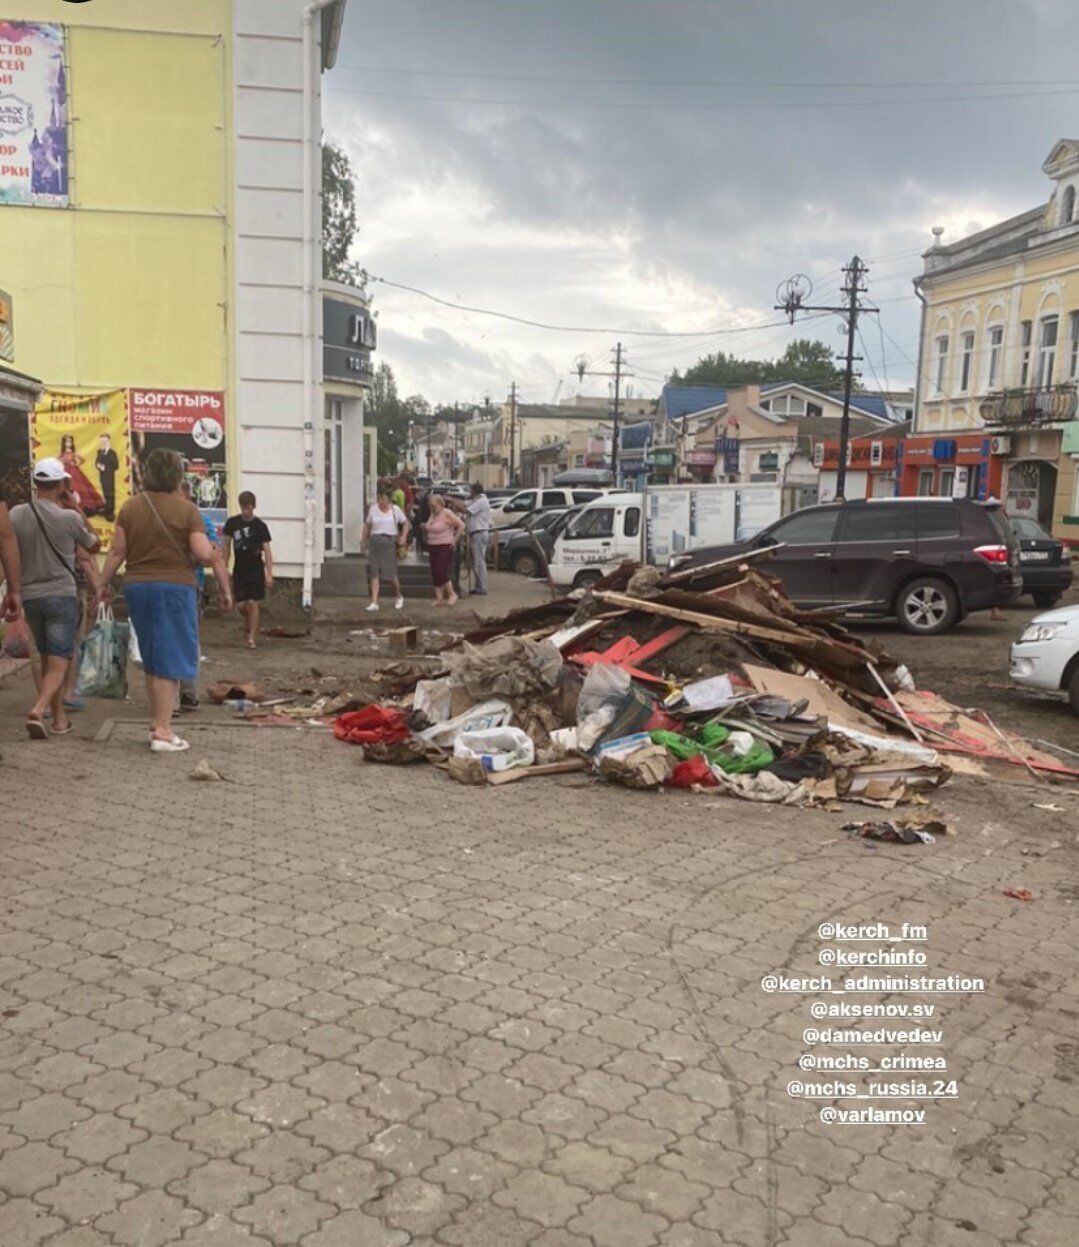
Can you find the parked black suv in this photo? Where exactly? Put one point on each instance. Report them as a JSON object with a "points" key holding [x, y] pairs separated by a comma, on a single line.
{"points": [[928, 561]]}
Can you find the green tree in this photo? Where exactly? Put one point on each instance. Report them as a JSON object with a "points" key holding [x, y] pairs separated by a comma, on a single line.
{"points": [[805, 360], [339, 221]]}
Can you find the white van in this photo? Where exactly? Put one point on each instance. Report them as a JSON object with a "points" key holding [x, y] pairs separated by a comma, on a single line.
{"points": [[649, 527]]}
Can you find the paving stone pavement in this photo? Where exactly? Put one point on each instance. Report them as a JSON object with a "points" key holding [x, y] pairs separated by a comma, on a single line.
{"points": [[336, 1005]]}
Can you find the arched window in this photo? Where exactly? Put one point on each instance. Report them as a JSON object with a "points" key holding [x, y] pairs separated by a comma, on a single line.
{"points": [[1067, 206]]}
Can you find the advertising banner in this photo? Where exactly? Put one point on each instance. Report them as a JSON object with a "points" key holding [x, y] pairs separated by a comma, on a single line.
{"points": [[191, 422], [33, 115], [88, 434]]}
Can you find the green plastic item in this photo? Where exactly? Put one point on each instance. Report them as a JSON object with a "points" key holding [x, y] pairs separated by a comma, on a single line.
{"points": [[710, 737], [709, 741]]}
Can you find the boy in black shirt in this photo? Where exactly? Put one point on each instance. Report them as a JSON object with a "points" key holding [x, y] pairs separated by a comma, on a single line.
{"points": [[252, 573]]}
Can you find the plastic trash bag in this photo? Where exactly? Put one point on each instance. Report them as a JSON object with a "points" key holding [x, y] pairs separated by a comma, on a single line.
{"points": [[17, 639], [603, 693], [103, 658], [133, 651], [498, 748], [481, 718]]}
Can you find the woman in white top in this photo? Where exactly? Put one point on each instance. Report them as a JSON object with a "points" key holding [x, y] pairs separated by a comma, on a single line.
{"points": [[385, 528]]}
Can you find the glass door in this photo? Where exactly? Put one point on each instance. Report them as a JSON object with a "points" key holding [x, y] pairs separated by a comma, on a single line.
{"points": [[334, 487]]}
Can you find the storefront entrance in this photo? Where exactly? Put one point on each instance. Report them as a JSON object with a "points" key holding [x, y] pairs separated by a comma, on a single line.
{"points": [[1031, 490], [334, 433]]}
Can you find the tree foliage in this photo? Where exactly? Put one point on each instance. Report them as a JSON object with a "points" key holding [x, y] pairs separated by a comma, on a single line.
{"points": [[806, 360], [339, 220]]}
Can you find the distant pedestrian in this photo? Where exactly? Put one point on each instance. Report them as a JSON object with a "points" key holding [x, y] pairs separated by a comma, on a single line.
{"points": [[442, 532], [248, 538], [48, 534], [385, 531], [160, 535], [398, 495], [478, 526]]}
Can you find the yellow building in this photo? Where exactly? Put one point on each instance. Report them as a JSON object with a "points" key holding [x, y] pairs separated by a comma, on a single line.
{"points": [[996, 410], [159, 236]]}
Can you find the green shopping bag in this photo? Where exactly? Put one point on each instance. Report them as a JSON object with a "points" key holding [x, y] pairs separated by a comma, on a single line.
{"points": [[103, 658]]}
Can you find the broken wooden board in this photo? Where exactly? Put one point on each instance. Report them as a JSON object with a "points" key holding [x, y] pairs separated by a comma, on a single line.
{"points": [[821, 697], [565, 767]]}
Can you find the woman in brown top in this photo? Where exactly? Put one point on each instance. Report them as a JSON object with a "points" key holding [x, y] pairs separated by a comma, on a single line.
{"points": [[160, 535]]}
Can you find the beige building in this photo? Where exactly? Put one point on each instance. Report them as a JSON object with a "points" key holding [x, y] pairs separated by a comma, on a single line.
{"points": [[1000, 360]]}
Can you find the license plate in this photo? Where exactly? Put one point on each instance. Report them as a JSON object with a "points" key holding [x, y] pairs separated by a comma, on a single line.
{"points": [[1034, 556]]}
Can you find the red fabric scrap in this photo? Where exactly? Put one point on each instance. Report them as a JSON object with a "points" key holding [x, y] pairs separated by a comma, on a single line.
{"points": [[1019, 894], [692, 771], [371, 725]]}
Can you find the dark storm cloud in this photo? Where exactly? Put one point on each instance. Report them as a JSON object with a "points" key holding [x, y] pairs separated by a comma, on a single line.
{"points": [[630, 208]]}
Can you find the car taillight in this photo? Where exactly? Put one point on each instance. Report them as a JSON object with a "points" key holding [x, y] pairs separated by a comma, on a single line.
{"points": [[993, 554]]}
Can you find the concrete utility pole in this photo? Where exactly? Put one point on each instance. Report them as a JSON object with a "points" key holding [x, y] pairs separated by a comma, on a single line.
{"points": [[513, 434], [791, 298]]}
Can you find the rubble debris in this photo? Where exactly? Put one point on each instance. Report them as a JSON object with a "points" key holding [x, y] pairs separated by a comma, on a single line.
{"points": [[1019, 894], [234, 690], [371, 725], [205, 772], [708, 680], [898, 831]]}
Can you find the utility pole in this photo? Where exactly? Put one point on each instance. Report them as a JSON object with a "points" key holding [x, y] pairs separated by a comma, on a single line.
{"points": [[791, 297], [456, 439], [581, 365], [428, 421], [513, 434]]}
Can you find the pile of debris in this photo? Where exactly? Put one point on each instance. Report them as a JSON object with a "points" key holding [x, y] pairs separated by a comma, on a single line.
{"points": [[707, 679]]}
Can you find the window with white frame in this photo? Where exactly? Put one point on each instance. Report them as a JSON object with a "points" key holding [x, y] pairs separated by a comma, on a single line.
{"points": [[947, 483], [1026, 331], [996, 351], [925, 483], [966, 360], [942, 362], [1047, 350], [1073, 346]]}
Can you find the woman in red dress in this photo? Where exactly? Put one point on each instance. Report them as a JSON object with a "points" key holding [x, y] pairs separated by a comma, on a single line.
{"points": [[90, 499]]}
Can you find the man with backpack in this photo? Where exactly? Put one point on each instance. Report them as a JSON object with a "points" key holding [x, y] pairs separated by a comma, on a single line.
{"points": [[49, 533]]}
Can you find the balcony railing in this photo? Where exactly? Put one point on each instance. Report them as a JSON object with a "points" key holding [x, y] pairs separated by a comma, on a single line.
{"points": [[1030, 408]]}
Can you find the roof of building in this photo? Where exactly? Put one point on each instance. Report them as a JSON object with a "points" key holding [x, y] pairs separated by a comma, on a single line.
{"points": [[871, 404], [635, 436], [684, 400], [827, 428]]}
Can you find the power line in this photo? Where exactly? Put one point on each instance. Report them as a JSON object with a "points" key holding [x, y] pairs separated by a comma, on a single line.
{"points": [[538, 324], [740, 83], [741, 106]]}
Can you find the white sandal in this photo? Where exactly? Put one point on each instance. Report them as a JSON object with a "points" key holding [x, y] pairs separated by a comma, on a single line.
{"points": [[176, 745]]}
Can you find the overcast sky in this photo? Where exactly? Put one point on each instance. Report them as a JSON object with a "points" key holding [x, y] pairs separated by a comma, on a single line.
{"points": [[663, 164]]}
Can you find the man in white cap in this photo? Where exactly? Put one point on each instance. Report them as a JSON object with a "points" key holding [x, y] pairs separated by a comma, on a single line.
{"points": [[49, 534]]}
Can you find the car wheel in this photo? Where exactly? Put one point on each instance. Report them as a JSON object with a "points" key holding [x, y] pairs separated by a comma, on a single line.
{"points": [[584, 580], [1073, 691], [526, 564], [927, 606], [1046, 598]]}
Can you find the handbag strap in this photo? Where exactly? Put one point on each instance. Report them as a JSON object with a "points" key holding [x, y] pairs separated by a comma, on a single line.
{"points": [[48, 541], [185, 555]]}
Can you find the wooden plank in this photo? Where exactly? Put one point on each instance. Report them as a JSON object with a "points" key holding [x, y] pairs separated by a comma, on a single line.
{"points": [[565, 767], [747, 556], [709, 621]]}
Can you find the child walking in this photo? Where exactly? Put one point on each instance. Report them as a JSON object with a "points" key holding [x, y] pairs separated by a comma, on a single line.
{"points": [[248, 538]]}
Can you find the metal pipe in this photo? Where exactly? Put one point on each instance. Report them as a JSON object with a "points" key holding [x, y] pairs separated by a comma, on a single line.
{"points": [[310, 294]]}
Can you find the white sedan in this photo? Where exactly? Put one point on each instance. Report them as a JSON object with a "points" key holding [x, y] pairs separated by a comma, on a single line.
{"points": [[1047, 654]]}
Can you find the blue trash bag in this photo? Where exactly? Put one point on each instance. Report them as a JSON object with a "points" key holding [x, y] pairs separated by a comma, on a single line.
{"points": [[103, 658]]}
